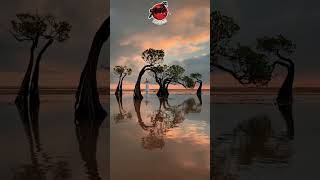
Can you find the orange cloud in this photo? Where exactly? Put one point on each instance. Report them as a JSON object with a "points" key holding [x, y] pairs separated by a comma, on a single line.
{"points": [[188, 29]]}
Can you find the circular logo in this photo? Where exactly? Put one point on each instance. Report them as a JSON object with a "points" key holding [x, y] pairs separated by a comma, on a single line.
{"points": [[159, 13]]}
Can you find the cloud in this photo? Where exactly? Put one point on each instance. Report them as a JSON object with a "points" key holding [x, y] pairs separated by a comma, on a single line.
{"points": [[185, 36], [172, 44]]}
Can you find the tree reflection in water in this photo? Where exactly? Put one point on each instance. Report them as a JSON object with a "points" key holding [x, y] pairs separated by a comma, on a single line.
{"points": [[42, 165], [251, 142], [163, 119], [87, 131], [123, 115]]}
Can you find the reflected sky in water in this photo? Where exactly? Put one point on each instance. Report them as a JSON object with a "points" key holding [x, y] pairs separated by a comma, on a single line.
{"points": [[159, 139]]}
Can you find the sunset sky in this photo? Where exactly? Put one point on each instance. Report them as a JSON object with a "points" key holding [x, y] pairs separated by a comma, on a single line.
{"points": [[185, 38]]}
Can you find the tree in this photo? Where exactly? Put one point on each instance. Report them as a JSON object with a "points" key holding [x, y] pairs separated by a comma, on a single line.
{"points": [[152, 57], [122, 72], [165, 75], [281, 48], [251, 66], [87, 97], [187, 82], [243, 63], [197, 78], [222, 30], [36, 29]]}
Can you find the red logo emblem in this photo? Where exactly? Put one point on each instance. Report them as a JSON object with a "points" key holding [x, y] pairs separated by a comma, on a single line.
{"points": [[159, 13]]}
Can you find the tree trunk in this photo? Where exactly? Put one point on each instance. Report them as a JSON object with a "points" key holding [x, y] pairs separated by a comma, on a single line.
{"points": [[120, 87], [163, 92], [24, 88], [117, 93], [34, 86], [285, 92], [137, 91], [87, 97], [199, 91]]}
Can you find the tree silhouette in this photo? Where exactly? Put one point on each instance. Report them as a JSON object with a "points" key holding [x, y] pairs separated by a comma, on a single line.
{"points": [[152, 57], [36, 29], [251, 66], [243, 63], [197, 78], [281, 48], [87, 97], [165, 75], [187, 82], [122, 72]]}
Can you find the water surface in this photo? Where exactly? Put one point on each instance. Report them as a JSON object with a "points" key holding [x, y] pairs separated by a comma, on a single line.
{"points": [[253, 138], [51, 143], [160, 139]]}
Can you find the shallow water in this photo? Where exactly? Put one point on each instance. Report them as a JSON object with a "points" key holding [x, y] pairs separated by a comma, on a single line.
{"points": [[159, 140], [252, 138], [50, 145]]}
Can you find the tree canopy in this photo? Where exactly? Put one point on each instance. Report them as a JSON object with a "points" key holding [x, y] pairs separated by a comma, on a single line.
{"points": [[278, 45], [153, 56], [122, 70], [196, 76], [244, 63], [188, 82], [28, 27], [165, 74]]}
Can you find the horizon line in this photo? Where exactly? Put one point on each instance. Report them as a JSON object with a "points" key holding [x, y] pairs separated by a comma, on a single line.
{"points": [[105, 87]]}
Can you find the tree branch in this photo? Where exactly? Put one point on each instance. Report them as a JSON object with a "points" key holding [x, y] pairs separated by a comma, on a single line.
{"points": [[45, 47], [284, 58], [232, 73], [19, 38]]}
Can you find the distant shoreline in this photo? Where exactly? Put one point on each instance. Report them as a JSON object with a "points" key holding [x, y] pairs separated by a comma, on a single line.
{"points": [[215, 91], [72, 90]]}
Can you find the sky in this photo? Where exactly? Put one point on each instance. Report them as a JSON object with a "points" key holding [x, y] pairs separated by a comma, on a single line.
{"points": [[295, 19], [185, 38], [187, 24], [62, 64]]}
